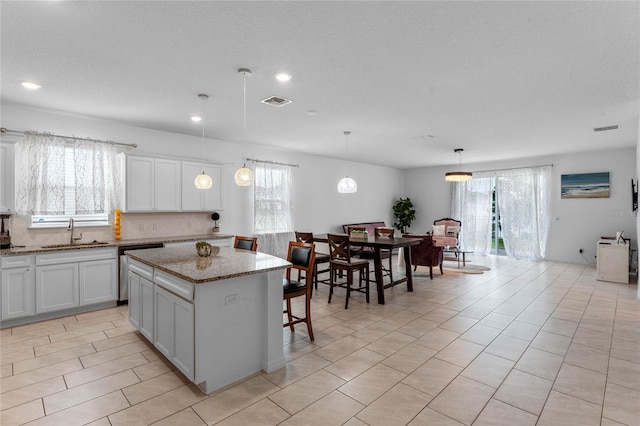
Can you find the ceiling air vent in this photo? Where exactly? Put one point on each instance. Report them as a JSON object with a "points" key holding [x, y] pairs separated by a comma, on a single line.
{"points": [[602, 129], [276, 101]]}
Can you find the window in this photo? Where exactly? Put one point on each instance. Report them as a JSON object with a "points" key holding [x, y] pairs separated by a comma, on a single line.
{"points": [[58, 180], [272, 199]]}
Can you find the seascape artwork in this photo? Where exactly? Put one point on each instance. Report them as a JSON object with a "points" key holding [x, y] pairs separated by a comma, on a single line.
{"points": [[585, 185]]}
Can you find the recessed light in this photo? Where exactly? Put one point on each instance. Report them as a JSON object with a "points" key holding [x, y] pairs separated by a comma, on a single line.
{"points": [[196, 119], [283, 76], [30, 85]]}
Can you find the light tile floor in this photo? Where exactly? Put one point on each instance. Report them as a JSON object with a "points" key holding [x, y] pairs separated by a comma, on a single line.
{"points": [[522, 344]]}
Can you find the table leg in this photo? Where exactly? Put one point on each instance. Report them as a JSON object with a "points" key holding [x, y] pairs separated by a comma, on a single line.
{"points": [[464, 259], [408, 272], [377, 266]]}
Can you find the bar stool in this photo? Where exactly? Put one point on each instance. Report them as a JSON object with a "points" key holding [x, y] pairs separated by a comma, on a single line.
{"points": [[307, 237], [339, 250]]}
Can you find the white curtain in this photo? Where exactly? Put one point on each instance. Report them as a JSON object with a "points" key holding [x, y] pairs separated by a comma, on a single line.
{"points": [[472, 206], [273, 204], [523, 200], [63, 176], [40, 178], [97, 177]]}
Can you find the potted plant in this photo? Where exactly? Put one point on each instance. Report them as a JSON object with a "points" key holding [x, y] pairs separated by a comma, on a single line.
{"points": [[404, 213], [215, 216]]}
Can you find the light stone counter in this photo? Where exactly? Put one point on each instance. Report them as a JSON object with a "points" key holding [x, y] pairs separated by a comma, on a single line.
{"points": [[184, 263]]}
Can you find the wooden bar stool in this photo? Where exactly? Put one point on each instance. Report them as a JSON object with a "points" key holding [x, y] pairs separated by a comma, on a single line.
{"points": [[339, 250]]}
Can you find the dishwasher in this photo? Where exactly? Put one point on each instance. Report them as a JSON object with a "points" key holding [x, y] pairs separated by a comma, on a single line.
{"points": [[123, 266]]}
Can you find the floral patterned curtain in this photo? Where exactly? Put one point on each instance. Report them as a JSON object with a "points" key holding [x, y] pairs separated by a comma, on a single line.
{"points": [[65, 176]]}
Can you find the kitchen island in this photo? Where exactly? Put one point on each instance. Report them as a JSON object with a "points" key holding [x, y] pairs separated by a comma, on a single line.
{"points": [[218, 319]]}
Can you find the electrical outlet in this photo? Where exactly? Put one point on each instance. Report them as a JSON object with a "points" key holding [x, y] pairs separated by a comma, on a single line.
{"points": [[232, 299], [188, 225], [155, 227], [580, 250], [142, 226]]}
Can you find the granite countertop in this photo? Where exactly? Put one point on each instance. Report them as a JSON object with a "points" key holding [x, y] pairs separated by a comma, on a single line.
{"points": [[15, 251], [184, 263]]}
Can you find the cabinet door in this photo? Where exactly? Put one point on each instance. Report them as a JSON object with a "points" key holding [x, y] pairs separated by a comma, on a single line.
{"points": [[213, 197], [146, 308], [98, 281], [140, 188], [7, 192], [18, 295], [194, 199], [134, 299], [168, 178], [174, 330], [56, 287]]}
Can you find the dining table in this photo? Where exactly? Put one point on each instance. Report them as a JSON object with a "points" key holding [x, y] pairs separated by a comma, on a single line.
{"points": [[378, 244]]}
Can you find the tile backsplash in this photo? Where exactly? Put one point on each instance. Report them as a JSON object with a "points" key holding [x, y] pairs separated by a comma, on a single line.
{"points": [[133, 226]]}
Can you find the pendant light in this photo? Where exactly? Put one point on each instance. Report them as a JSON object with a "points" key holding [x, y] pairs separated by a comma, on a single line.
{"points": [[346, 185], [458, 176], [203, 180], [244, 175]]}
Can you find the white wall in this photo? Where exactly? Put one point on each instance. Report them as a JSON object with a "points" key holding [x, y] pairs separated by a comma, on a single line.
{"points": [[318, 206], [576, 223]]}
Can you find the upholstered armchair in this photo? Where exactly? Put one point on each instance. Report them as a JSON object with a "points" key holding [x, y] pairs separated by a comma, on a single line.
{"points": [[445, 232], [426, 253]]}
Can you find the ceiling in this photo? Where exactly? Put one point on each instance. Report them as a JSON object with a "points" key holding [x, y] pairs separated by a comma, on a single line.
{"points": [[411, 80]]}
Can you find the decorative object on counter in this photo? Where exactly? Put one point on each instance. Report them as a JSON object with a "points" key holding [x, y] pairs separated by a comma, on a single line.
{"points": [[346, 185], [203, 262], [203, 248], [203, 180], [5, 238], [117, 224], [404, 212], [244, 175], [215, 216]]}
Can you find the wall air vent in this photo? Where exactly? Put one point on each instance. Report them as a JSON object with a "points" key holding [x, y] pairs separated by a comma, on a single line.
{"points": [[276, 101], [602, 129]]}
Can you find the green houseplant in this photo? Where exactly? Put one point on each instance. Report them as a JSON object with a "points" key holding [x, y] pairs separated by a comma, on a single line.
{"points": [[405, 214]]}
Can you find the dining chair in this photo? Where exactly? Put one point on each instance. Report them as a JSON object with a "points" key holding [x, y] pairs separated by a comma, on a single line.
{"points": [[245, 243], [384, 232], [341, 261], [302, 258], [427, 253], [321, 258]]}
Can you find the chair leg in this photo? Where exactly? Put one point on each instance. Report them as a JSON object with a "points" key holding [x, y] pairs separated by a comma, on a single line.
{"points": [[308, 316], [391, 265], [289, 315], [331, 283], [415, 267], [349, 283], [430, 271], [368, 282], [441, 272]]}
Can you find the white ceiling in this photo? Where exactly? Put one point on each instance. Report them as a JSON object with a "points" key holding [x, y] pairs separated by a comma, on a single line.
{"points": [[411, 80]]}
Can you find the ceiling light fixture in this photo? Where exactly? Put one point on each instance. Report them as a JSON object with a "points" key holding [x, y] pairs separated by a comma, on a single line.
{"points": [[203, 180], [244, 175], [346, 185], [30, 85], [458, 176], [196, 119], [283, 77]]}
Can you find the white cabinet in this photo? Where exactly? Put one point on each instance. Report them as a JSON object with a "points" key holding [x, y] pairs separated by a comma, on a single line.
{"points": [[67, 279], [57, 287], [152, 184], [141, 298], [612, 262], [7, 191], [174, 330], [194, 199], [98, 281], [18, 287]]}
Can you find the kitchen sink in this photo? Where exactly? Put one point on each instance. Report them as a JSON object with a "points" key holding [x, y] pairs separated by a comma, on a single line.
{"points": [[93, 243]]}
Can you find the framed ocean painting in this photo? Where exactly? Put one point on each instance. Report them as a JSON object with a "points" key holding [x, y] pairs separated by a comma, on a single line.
{"points": [[585, 185]]}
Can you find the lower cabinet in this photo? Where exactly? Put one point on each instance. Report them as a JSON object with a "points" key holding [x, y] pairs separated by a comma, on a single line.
{"points": [[57, 287], [174, 330], [17, 293], [97, 281], [141, 298], [146, 308]]}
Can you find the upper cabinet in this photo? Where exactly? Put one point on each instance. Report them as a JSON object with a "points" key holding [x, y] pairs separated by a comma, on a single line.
{"points": [[194, 199], [158, 184], [7, 191]]}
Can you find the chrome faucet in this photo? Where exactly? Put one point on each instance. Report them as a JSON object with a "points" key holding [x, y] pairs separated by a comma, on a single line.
{"points": [[71, 237]]}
